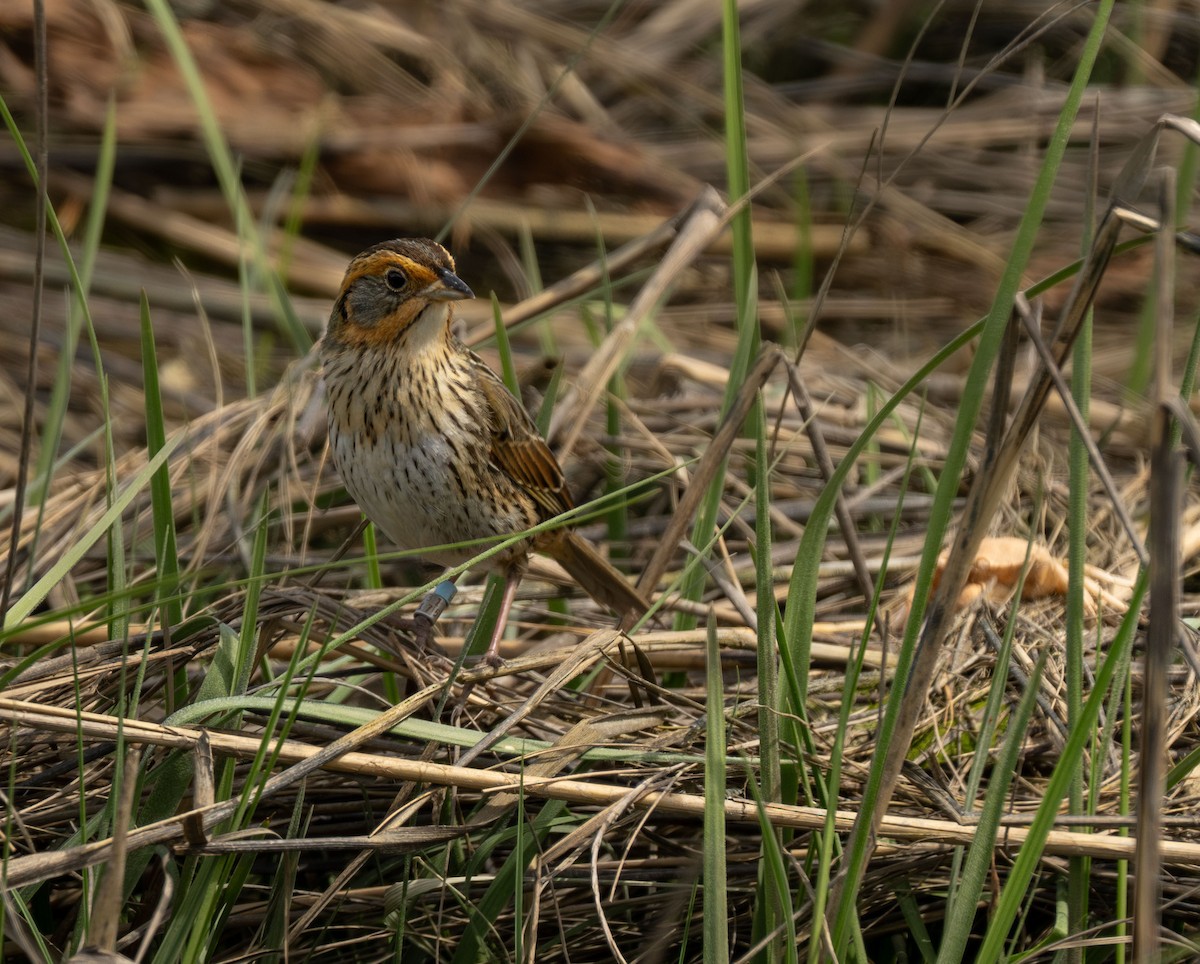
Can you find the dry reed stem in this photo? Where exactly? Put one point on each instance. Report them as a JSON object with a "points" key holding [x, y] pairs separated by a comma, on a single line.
{"points": [[26, 870]]}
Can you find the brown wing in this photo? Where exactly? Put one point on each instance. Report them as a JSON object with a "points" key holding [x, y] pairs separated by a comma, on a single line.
{"points": [[517, 448]]}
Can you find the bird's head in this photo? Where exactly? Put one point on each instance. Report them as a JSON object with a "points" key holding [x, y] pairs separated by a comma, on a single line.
{"points": [[393, 287]]}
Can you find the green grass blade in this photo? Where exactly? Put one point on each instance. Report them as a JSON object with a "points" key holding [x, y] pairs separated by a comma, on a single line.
{"points": [[508, 880], [371, 550], [24, 606], [1030, 854], [16, 903], [165, 553], [911, 911], [773, 880], [960, 915], [301, 190], [737, 172], [508, 368]]}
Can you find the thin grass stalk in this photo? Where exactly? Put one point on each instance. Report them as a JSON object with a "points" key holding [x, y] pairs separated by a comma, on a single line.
{"points": [[737, 165], [484, 912], [52, 426], [804, 782], [871, 469], [794, 782], [293, 221], [918, 933], [273, 932], [716, 913], [247, 648], [909, 692], [25, 931], [1078, 483], [546, 412], [97, 824], [1141, 366], [370, 537], [508, 368], [828, 841], [520, 822], [117, 611], [56, 412], [165, 552], [1079, 872], [1115, 708], [244, 230], [1125, 809], [1165, 492], [225, 167], [485, 621], [41, 172], [533, 278], [772, 903], [802, 261], [617, 518], [737, 172], [781, 943]]}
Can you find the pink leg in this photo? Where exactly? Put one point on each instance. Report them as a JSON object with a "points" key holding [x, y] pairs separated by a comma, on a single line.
{"points": [[512, 580]]}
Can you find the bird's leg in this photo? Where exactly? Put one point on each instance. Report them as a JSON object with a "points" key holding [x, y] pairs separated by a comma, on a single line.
{"points": [[512, 579], [432, 606]]}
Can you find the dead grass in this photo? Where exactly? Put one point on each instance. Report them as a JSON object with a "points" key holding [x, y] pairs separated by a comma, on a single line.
{"points": [[409, 114]]}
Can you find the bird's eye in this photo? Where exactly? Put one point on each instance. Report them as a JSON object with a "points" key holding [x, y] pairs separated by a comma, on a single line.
{"points": [[396, 279]]}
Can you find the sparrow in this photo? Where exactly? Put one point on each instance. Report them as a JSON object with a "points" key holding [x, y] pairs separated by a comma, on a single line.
{"points": [[430, 442]]}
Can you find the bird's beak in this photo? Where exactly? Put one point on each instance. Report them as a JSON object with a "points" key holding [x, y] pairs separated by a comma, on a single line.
{"points": [[448, 287]]}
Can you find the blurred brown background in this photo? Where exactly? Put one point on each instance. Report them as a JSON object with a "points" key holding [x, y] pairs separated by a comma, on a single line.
{"points": [[555, 124]]}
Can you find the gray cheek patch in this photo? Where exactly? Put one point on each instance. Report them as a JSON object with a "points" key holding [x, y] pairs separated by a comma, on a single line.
{"points": [[367, 301]]}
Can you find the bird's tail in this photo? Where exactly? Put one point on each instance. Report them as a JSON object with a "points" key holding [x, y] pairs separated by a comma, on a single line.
{"points": [[595, 574]]}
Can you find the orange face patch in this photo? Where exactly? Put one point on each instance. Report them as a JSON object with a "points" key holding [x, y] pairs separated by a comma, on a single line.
{"points": [[402, 306]]}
